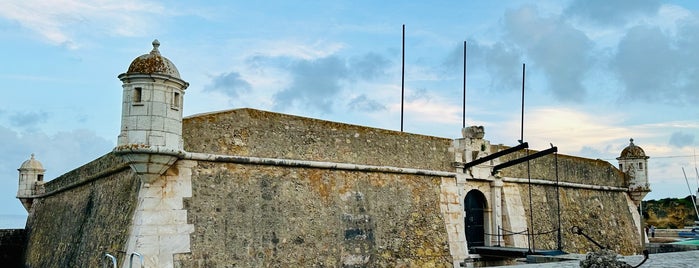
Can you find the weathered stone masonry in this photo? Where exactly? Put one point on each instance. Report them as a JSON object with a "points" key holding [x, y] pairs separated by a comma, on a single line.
{"points": [[83, 214], [250, 188]]}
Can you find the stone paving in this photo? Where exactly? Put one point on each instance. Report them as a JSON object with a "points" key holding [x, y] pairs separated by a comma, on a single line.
{"points": [[689, 259]]}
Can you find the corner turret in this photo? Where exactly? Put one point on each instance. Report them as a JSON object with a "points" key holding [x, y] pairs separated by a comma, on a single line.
{"points": [[31, 181], [634, 163], [151, 115]]}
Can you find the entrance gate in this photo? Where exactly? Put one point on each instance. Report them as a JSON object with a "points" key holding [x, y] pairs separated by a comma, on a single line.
{"points": [[474, 205]]}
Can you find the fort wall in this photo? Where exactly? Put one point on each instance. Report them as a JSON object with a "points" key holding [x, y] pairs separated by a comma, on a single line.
{"points": [[302, 217], [83, 215], [570, 169], [603, 215], [249, 132], [318, 194]]}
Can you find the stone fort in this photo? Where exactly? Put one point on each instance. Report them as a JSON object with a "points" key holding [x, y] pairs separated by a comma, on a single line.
{"points": [[251, 188]]}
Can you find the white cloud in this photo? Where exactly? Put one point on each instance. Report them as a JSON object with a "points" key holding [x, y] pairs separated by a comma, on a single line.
{"points": [[299, 50], [59, 21], [568, 129]]}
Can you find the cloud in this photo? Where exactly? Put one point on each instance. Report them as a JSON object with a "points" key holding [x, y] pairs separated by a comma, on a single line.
{"points": [[568, 129], [654, 67], [502, 63], [231, 84], [559, 49], [603, 12], [58, 21], [315, 83], [680, 139], [28, 119], [369, 66], [363, 103]]}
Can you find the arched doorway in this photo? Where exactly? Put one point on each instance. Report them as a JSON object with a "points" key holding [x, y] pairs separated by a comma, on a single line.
{"points": [[474, 205]]}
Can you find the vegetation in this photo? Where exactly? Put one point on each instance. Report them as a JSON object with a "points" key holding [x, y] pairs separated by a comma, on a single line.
{"points": [[672, 213]]}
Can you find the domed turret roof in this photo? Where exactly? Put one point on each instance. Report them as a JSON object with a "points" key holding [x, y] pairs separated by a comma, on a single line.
{"points": [[633, 151], [31, 164], [153, 62]]}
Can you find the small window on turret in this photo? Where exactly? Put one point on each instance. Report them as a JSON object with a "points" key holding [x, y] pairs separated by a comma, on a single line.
{"points": [[176, 102], [40, 177], [621, 167], [137, 94], [640, 166]]}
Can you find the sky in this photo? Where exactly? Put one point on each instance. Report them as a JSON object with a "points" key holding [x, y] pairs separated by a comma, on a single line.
{"points": [[598, 72]]}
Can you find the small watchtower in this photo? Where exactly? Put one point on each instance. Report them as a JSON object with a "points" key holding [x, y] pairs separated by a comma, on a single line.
{"points": [[634, 163], [31, 181], [151, 114]]}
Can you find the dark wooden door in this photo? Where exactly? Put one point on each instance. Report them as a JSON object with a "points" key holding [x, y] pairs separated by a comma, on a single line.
{"points": [[474, 204]]}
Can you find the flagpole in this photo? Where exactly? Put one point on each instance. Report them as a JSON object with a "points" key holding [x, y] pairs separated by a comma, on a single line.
{"points": [[463, 117], [402, 82]]}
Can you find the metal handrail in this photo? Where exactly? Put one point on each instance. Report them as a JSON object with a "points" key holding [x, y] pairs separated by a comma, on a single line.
{"points": [[131, 259], [110, 257]]}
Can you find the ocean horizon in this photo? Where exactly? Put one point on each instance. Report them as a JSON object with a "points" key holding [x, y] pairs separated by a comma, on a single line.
{"points": [[13, 221]]}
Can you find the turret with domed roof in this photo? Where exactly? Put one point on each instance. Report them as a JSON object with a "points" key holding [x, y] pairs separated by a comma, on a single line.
{"points": [[151, 114], [633, 161], [152, 102], [31, 181]]}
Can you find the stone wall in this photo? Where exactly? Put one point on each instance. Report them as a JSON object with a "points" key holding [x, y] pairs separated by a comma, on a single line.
{"points": [[249, 132], [12, 244], [570, 169], [267, 216], [74, 228], [603, 215]]}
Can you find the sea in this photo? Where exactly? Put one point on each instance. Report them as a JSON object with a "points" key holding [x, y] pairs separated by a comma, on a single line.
{"points": [[13, 221]]}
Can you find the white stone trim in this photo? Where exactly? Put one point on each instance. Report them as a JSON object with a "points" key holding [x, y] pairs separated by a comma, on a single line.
{"points": [[313, 164], [565, 184], [159, 226]]}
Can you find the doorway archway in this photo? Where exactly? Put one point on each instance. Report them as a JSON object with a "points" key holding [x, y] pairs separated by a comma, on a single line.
{"points": [[474, 221]]}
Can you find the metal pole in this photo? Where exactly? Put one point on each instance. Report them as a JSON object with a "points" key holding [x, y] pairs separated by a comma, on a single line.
{"points": [[531, 207], [402, 82], [463, 123], [690, 193], [558, 202], [521, 134]]}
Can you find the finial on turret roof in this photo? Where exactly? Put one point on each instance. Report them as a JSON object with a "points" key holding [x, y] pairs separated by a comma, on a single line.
{"points": [[631, 141], [32, 156], [156, 44]]}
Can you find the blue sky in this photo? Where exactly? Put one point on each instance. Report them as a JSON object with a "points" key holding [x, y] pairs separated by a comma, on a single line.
{"points": [[598, 72]]}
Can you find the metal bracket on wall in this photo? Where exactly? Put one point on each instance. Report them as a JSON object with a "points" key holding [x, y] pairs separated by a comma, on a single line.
{"points": [[496, 155]]}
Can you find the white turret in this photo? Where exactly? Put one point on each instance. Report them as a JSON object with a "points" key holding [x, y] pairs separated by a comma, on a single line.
{"points": [[634, 163], [31, 181], [151, 114]]}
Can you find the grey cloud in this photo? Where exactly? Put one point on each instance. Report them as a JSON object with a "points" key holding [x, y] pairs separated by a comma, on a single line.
{"points": [[231, 84], [655, 68], [588, 151], [560, 50], [605, 12], [363, 103], [369, 66], [680, 139], [500, 61], [28, 119], [314, 83], [503, 64]]}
